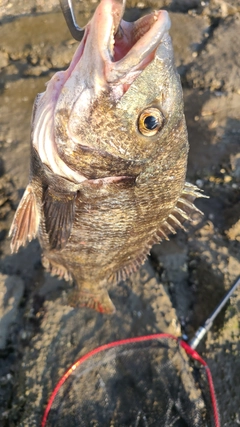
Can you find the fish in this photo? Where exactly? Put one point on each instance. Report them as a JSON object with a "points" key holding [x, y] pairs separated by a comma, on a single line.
{"points": [[109, 149]]}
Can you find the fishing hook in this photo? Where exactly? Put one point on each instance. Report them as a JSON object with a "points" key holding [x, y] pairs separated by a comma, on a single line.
{"points": [[76, 31], [68, 13]]}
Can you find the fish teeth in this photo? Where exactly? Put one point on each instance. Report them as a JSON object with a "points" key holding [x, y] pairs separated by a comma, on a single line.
{"points": [[112, 42]]}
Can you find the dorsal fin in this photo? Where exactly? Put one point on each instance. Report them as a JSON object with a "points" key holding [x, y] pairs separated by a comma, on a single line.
{"points": [[182, 212], [26, 220], [59, 212]]}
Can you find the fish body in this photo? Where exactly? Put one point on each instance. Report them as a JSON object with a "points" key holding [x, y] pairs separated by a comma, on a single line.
{"points": [[109, 150]]}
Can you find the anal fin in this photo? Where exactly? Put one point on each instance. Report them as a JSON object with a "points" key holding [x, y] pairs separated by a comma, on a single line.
{"points": [[26, 220], [56, 269]]}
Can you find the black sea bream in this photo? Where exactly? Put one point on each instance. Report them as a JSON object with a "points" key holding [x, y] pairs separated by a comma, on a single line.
{"points": [[109, 154]]}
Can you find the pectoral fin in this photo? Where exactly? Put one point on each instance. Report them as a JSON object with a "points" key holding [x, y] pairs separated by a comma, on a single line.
{"points": [[26, 220], [59, 212]]}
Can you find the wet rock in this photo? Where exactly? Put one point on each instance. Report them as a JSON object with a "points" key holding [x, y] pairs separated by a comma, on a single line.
{"points": [[229, 7], [11, 292], [4, 59], [234, 232], [235, 165], [44, 30], [36, 71], [214, 67], [187, 43], [18, 97], [172, 258], [184, 5], [232, 215], [224, 361], [16, 8], [222, 8], [61, 57], [7, 197], [157, 4]]}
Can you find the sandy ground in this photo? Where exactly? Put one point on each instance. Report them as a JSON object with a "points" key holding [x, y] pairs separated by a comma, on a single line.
{"points": [[185, 278]]}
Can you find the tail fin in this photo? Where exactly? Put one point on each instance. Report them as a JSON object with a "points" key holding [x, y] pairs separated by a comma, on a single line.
{"points": [[100, 302]]}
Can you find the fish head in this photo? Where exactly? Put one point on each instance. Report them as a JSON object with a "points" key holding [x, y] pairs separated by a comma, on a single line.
{"points": [[120, 99]]}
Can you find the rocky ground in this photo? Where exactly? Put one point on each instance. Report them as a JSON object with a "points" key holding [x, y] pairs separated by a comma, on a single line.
{"points": [[185, 278]]}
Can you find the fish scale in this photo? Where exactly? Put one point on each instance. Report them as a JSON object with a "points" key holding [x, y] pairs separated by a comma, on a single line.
{"points": [[110, 183]]}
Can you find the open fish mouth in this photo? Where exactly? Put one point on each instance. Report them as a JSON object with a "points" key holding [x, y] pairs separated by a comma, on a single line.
{"points": [[118, 50], [131, 46]]}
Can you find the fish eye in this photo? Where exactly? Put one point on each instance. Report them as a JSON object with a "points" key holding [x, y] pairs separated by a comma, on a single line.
{"points": [[150, 121]]}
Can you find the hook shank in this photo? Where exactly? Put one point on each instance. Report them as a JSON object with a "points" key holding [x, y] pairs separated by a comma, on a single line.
{"points": [[68, 13]]}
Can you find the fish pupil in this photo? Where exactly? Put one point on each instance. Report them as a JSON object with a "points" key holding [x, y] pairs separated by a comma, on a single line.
{"points": [[150, 122]]}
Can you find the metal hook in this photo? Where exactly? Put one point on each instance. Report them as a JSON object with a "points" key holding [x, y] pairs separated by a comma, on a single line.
{"points": [[68, 13]]}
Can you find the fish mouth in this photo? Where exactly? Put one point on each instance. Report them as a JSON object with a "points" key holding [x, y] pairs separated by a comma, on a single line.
{"points": [[117, 51], [131, 46]]}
